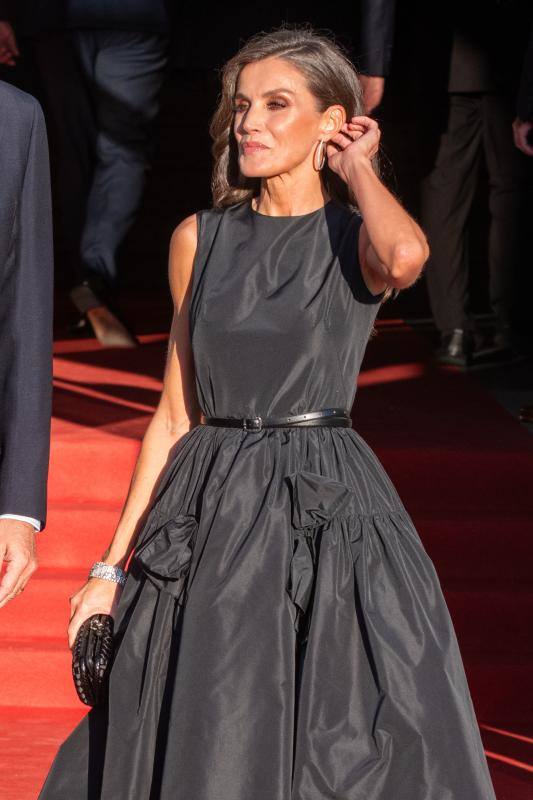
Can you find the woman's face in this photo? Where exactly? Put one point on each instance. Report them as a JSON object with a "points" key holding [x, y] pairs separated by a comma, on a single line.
{"points": [[276, 123]]}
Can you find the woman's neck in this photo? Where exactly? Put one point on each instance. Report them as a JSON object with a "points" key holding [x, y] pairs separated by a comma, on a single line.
{"points": [[289, 201]]}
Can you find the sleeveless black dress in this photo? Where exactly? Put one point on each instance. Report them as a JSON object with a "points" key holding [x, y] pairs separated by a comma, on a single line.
{"points": [[282, 634]]}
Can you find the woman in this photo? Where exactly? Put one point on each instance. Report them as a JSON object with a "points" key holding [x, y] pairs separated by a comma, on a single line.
{"points": [[282, 632]]}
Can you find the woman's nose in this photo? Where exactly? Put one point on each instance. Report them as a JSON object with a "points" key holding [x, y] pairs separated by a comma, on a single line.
{"points": [[251, 120]]}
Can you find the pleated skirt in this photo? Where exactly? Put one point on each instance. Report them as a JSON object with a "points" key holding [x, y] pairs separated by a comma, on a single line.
{"points": [[282, 635]]}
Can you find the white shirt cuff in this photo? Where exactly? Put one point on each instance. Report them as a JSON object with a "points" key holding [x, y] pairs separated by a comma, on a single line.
{"points": [[35, 522]]}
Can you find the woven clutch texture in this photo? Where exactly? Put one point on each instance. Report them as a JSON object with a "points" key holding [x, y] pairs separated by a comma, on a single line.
{"points": [[92, 655]]}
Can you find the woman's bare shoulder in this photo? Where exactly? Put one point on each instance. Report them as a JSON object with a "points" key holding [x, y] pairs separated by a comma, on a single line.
{"points": [[185, 233], [184, 240], [183, 243]]}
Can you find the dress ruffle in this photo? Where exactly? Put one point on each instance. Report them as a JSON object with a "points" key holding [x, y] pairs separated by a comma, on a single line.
{"points": [[165, 555], [163, 558], [316, 502]]}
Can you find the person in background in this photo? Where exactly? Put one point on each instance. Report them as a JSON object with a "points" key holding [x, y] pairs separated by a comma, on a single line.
{"points": [[523, 122], [100, 66], [523, 139], [377, 20], [26, 305], [484, 69]]}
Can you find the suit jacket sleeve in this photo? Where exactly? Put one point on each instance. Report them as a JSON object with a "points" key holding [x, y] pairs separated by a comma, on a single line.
{"points": [[377, 18], [27, 393], [524, 106]]}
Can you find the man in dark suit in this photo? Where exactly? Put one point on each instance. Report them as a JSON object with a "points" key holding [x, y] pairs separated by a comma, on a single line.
{"points": [[26, 303], [375, 43], [523, 123], [523, 138], [486, 46]]}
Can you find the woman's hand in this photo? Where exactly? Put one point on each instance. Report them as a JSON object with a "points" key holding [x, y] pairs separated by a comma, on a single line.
{"points": [[358, 138], [393, 247], [96, 596]]}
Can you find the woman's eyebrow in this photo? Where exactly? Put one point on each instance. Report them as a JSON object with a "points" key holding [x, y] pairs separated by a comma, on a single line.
{"points": [[266, 94]]}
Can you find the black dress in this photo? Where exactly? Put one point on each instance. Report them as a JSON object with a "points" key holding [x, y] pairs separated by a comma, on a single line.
{"points": [[282, 634]]}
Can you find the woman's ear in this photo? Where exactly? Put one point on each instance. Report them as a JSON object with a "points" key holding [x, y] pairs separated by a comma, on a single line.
{"points": [[334, 119]]}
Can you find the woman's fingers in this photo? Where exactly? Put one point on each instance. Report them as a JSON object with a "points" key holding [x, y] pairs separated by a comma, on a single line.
{"points": [[72, 631], [349, 133], [361, 125], [369, 122], [341, 140], [80, 615], [96, 596], [345, 138]]}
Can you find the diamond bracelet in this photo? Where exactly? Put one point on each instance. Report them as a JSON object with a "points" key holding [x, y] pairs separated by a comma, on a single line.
{"points": [[108, 572]]}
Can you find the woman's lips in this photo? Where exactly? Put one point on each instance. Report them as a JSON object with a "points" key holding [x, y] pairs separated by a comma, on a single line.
{"points": [[251, 148]]}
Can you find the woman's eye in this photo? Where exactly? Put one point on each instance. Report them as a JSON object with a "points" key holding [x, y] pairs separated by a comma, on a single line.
{"points": [[241, 106]]}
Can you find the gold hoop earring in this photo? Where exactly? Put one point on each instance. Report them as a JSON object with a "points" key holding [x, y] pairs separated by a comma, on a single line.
{"points": [[322, 147]]}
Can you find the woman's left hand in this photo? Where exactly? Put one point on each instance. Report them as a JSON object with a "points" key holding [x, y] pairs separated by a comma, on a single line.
{"points": [[358, 138]]}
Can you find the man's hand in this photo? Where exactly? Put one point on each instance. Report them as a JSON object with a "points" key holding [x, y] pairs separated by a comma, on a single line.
{"points": [[8, 44], [522, 134], [17, 550], [373, 89]]}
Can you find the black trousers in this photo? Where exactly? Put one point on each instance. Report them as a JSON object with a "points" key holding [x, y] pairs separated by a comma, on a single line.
{"points": [[479, 126], [101, 94]]}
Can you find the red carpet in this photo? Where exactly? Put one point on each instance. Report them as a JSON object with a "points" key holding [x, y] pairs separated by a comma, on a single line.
{"points": [[463, 467]]}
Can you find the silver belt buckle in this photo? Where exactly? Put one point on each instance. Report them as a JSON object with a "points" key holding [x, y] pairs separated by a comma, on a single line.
{"points": [[252, 423]]}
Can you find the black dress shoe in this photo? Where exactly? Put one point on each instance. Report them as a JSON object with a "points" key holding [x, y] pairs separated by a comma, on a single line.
{"points": [[502, 338], [456, 349], [500, 349]]}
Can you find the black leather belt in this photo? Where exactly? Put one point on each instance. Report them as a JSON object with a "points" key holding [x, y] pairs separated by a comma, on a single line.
{"points": [[324, 416]]}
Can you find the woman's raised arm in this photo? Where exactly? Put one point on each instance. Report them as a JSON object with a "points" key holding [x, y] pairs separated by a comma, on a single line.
{"points": [[392, 246]]}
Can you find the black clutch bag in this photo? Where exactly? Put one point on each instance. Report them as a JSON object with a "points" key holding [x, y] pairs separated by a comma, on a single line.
{"points": [[92, 656]]}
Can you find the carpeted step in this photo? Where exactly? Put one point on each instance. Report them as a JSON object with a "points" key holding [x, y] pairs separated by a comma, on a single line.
{"points": [[509, 742], [76, 535], [509, 750], [94, 468], [29, 738], [462, 547], [456, 481], [36, 671], [501, 685], [43, 609], [491, 617]]}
